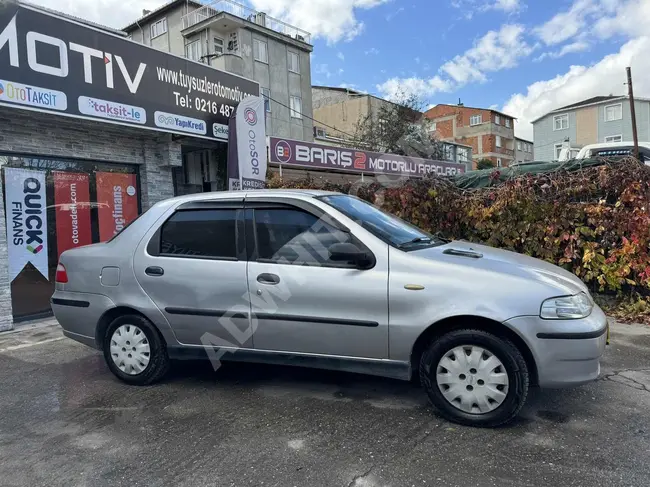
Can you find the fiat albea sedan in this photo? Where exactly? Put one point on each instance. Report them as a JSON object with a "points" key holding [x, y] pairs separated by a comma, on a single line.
{"points": [[319, 279]]}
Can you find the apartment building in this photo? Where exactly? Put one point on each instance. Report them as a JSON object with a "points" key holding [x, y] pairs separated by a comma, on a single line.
{"points": [[338, 111], [523, 151], [595, 120], [490, 133]]}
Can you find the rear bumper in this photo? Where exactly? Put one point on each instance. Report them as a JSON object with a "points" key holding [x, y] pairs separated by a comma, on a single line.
{"points": [[79, 313], [566, 352]]}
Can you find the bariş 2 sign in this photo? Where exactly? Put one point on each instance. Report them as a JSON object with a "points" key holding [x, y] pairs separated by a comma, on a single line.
{"points": [[56, 65]]}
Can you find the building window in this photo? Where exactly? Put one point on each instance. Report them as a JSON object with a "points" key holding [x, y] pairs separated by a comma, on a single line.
{"points": [[561, 122], [476, 120], [498, 141], [433, 126], [159, 28], [507, 122], [294, 62], [449, 152], [295, 103], [218, 45], [193, 50], [613, 112], [614, 138], [266, 94], [518, 145], [260, 51], [463, 154], [558, 150], [499, 163], [497, 119]]}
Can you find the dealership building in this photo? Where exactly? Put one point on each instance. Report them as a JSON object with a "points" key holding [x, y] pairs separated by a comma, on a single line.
{"points": [[95, 130]]}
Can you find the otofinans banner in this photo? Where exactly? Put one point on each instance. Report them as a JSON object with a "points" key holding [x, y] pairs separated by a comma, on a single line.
{"points": [[297, 153], [117, 199], [26, 220], [247, 145], [72, 204]]}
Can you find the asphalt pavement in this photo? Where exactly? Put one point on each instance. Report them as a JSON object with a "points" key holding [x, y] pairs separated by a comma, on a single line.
{"points": [[65, 420]]}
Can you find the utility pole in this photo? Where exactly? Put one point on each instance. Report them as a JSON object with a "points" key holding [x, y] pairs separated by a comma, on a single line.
{"points": [[635, 135]]}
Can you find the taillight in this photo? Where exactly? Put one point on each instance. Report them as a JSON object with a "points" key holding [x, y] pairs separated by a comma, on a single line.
{"points": [[61, 274]]}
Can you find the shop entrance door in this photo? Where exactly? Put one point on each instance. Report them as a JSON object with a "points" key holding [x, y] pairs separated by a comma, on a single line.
{"points": [[203, 170]]}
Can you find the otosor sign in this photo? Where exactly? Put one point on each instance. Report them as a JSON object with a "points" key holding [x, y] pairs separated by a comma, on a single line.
{"points": [[297, 153], [55, 65]]}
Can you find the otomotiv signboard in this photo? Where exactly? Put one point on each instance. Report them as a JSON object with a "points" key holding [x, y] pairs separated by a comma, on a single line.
{"points": [[297, 153], [55, 65]]}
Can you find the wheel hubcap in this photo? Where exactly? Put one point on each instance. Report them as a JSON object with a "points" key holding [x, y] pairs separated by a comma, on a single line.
{"points": [[130, 349], [472, 379]]}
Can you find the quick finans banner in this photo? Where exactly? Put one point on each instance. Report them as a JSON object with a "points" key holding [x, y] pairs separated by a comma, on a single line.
{"points": [[247, 146], [26, 220]]}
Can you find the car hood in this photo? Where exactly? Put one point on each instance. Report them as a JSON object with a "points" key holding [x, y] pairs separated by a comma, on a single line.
{"points": [[505, 262]]}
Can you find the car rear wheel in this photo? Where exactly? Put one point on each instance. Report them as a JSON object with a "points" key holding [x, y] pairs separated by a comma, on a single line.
{"points": [[475, 378], [134, 350]]}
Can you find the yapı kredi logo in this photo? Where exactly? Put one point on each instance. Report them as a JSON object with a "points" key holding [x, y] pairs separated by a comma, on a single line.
{"points": [[179, 123], [112, 110]]}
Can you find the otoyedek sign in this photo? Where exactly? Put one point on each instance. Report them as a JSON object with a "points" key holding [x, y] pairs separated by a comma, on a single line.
{"points": [[54, 65], [297, 153]]}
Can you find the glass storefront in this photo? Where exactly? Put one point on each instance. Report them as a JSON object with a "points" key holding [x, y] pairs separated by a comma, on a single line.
{"points": [[203, 170], [52, 205]]}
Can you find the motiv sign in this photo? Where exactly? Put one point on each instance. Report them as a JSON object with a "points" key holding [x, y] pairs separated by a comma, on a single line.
{"points": [[297, 153], [55, 65]]}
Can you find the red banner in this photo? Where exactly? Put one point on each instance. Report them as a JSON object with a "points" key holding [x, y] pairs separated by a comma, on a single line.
{"points": [[72, 203], [118, 202]]}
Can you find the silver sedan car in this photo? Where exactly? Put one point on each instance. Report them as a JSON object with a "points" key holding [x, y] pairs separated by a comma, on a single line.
{"points": [[319, 279]]}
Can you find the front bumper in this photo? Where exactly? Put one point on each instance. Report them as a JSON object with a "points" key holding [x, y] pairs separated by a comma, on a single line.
{"points": [[566, 352]]}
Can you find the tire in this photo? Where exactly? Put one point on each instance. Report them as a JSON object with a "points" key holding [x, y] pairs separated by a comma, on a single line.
{"points": [[141, 337], [485, 397]]}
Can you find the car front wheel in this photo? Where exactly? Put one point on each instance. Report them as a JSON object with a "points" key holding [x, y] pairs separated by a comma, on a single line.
{"points": [[475, 378], [134, 350]]}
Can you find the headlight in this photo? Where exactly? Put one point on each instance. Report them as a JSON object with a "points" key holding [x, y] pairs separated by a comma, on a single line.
{"points": [[567, 307]]}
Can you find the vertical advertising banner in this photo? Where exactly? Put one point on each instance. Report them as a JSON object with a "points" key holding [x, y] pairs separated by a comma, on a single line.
{"points": [[72, 204], [26, 220], [247, 145], [117, 199]]}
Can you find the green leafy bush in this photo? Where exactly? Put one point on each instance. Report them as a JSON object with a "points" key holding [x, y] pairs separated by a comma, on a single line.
{"points": [[593, 222]]}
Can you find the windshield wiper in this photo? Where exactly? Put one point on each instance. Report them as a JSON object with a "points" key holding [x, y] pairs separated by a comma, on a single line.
{"points": [[416, 240]]}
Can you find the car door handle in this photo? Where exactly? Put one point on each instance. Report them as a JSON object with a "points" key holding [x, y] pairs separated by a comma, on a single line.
{"points": [[154, 271], [268, 279]]}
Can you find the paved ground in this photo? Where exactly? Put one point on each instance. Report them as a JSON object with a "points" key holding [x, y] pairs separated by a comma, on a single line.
{"points": [[64, 420]]}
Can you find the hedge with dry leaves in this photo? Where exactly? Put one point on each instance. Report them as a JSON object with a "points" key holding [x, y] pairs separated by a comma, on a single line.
{"points": [[594, 222]]}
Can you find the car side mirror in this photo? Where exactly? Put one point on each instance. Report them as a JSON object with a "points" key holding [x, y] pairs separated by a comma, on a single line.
{"points": [[348, 252]]}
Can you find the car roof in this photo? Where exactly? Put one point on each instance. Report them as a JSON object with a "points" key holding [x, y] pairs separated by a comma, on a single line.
{"points": [[219, 195]]}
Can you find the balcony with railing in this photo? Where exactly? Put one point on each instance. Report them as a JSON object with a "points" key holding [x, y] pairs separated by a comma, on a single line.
{"points": [[242, 11]]}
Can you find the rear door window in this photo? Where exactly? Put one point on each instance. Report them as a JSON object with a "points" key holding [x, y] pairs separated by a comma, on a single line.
{"points": [[210, 234]]}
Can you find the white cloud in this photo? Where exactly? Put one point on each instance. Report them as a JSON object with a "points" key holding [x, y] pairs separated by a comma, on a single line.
{"points": [[470, 7], [341, 56], [397, 88], [417, 60], [341, 71], [372, 50], [333, 20], [495, 51], [574, 47], [111, 13], [322, 69], [394, 14], [627, 18], [581, 82], [567, 24], [506, 5]]}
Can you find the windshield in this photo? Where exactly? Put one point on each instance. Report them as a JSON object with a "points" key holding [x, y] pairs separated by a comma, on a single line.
{"points": [[385, 226]]}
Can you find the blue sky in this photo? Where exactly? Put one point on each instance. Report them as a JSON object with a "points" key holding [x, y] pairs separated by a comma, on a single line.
{"points": [[525, 57]]}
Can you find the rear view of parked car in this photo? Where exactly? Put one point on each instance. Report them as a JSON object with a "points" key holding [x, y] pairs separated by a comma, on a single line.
{"points": [[327, 280]]}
